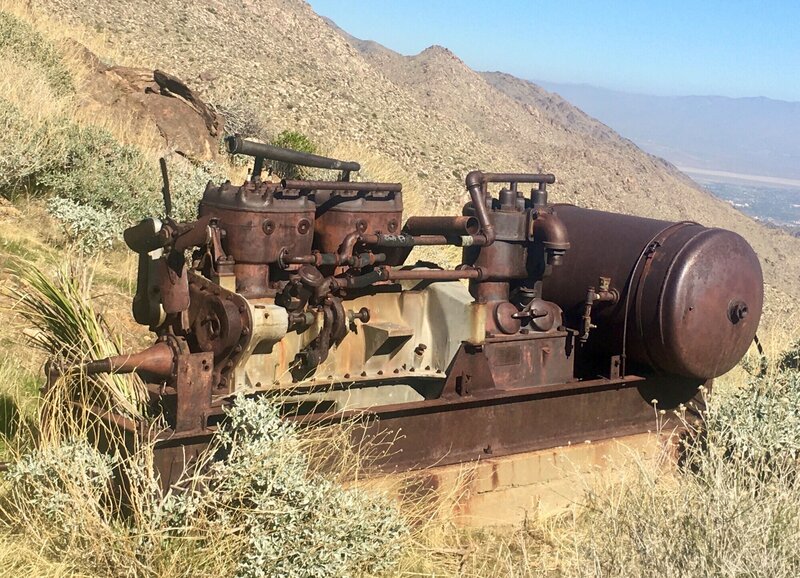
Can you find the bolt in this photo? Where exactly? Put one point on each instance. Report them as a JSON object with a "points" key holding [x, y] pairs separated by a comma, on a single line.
{"points": [[420, 349]]}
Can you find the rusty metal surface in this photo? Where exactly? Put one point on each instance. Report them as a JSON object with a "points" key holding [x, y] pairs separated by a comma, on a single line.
{"points": [[680, 288], [340, 186], [237, 145], [445, 432], [464, 225]]}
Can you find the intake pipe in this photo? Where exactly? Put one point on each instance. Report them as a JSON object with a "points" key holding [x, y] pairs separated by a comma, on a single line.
{"points": [[475, 181], [237, 145], [549, 230]]}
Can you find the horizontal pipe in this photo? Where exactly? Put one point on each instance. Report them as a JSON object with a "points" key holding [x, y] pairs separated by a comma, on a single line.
{"points": [[405, 240], [237, 145], [546, 178], [341, 186], [157, 359], [362, 281], [391, 274], [334, 259], [442, 226]]}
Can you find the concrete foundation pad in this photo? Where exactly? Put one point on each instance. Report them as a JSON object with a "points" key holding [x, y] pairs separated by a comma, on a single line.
{"points": [[510, 489]]}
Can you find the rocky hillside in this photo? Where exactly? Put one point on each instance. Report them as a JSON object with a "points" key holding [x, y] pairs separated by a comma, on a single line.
{"points": [[281, 66]]}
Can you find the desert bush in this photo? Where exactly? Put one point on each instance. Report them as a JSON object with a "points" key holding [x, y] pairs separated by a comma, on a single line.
{"points": [[26, 44], [298, 523], [789, 360], [101, 186], [240, 119], [259, 510], [27, 149], [105, 187], [758, 426], [92, 228], [98, 171], [290, 139], [67, 328], [48, 476]]}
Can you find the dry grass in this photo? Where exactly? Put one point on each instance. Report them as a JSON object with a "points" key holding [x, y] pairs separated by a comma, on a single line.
{"points": [[64, 325]]}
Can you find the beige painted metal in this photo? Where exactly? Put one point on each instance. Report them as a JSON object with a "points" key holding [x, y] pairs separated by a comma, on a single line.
{"points": [[437, 316]]}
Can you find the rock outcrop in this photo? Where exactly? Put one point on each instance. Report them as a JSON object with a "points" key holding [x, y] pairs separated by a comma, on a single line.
{"points": [[153, 100]]}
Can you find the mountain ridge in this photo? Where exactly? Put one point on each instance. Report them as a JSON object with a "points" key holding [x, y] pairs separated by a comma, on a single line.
{"points": [[751, 135]]}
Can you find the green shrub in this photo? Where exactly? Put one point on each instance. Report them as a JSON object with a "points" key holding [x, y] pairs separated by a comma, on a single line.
{"points": [[100, 186], [258, 511], [91, 228], [790, 359], [290, 139], [298, 523], [759, 425], [26, 45], [733, 510], [97, 171], [27, 149], [53, 477]]}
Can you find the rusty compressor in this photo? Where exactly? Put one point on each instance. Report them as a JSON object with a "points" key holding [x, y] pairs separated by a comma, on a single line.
{"points": [[560, 324]]}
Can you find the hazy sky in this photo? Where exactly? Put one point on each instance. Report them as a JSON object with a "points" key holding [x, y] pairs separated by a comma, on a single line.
{"points": [[729, 48]]}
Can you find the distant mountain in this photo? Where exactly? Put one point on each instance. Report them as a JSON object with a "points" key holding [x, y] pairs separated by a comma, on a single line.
{"points": [[754, 136]]}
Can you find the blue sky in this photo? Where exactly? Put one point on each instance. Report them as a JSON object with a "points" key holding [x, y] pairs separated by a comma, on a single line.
{"points": [[732, 48]]}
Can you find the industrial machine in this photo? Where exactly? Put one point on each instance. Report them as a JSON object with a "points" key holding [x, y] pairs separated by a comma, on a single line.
{"points": [[561, 324]]}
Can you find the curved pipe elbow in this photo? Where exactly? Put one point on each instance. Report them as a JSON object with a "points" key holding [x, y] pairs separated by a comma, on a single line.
{"points": [[475, 181], [549, 230], [345, 252]]}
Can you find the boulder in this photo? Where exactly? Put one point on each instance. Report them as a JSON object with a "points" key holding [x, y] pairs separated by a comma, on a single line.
{"points": [[152, 101]]}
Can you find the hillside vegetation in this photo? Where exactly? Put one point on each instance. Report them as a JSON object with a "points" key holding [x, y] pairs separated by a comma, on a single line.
{"points": [[76, 166]]}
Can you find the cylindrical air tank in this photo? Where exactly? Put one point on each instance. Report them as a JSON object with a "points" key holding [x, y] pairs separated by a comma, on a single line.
{"points": [[690, 296]]}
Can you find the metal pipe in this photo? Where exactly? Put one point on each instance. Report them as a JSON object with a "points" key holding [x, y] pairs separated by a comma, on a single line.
{"points": [[333, 259], [347, 246], [475, 181], [157, 359], [405, 240], [341, 186], [391, 274], [237, 145], [513, 178], [442, 226], [550, 231]]}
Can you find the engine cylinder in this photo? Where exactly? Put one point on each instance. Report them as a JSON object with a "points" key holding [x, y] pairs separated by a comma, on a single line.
{"points": [[690, 296], [260, 223]]}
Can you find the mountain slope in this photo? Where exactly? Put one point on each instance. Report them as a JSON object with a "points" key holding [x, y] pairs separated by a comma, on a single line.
{"points": [[430, 114]]}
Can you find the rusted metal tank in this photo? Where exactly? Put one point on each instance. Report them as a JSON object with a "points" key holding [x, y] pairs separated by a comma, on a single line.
{"points": [[690, 297]]}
